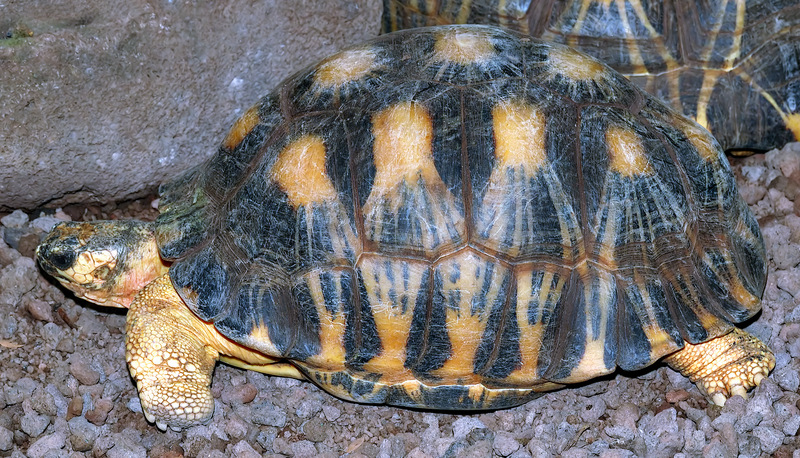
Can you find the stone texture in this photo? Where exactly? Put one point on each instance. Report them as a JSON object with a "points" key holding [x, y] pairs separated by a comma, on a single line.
{"points": [[103, 101]]}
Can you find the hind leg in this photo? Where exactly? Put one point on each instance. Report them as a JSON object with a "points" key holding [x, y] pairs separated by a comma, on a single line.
{"points": [[726, 366]]}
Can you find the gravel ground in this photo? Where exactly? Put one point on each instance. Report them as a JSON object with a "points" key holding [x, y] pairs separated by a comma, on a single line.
{"points": [[65, 390]]}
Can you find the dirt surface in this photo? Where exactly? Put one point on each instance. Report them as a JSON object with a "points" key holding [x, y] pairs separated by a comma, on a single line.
{"points": [[65, 390]]}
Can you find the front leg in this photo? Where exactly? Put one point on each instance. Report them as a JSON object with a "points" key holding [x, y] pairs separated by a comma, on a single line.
{"points": [[169, 357]]}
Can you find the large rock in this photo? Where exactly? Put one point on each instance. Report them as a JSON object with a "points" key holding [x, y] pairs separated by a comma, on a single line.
{"points": [[102, 101]]}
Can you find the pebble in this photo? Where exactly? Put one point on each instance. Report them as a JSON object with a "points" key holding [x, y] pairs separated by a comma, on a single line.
{"points": [[538, 449], [100, 412], [82, 434], [464, 425], [39, 310], [16, 219], [316, 429], [6, 439], [45, 223], [626, 416], [242, 394], [265, 413], [308, 408], [788, 378], [16, 279], [81, 369], [392, 447], [770, 438], [45, 445], [331, 412], [594, 409], [303, 448], [505, 444], [127, 444], [21, 390], [244, 450], [791, 426]]}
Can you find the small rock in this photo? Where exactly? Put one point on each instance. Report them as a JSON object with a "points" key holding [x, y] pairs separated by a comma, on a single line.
{"points": [[127, 444], [39, 310], [676, 396], [6, 439], [33, 424], [242, 394], [465, 425], [47, 444], [748, 421], [303, 448], [575, 452], [81, 369], [265, 413], [331, 412], [235, 427], [621, 433], [82, 434], [316, 429], [538, 449], [617, 453], [244, 450], [100, 412], [16, 279], [595, 408], [391, 447], [791, 426], [308, 408], [505, 444], [17, 219], [787, 378], [45, 223], [725, 418], [770, 438], [626, 415]]}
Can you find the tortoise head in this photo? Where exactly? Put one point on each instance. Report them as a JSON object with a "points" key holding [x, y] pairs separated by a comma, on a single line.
{"points": [[105, 262]]}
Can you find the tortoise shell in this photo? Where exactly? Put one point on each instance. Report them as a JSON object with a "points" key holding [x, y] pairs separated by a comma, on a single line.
{"points": [[458, 205], [733, 66]]}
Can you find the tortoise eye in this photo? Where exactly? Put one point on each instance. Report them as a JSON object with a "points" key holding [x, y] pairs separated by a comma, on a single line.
{"points": [[62, 259]]}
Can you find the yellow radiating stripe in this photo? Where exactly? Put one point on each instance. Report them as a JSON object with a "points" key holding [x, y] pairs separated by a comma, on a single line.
{"points": [[672, 77], [243, 126], [331, 326], [633, 49], [300, 172], [465, 328], [710, 76], [463, 13], [391, 321], [344, 67], [530, 335]]}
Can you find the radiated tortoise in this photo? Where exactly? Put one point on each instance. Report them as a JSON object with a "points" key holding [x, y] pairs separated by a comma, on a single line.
{"points": [[448, 218]]}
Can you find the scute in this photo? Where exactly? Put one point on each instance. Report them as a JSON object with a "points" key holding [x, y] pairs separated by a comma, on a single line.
{"points": [[732, 66], [463, 226]]}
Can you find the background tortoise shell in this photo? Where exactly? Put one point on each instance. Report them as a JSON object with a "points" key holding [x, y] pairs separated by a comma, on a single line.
{"points": [[448, 206], [733, 66]]}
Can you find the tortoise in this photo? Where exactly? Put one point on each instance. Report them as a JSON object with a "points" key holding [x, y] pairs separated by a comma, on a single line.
{"points": [[449, 218], [733, 66]]}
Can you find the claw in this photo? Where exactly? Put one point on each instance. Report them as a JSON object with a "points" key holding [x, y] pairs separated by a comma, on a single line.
{"points": [[739, 390], [718, 399]]}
